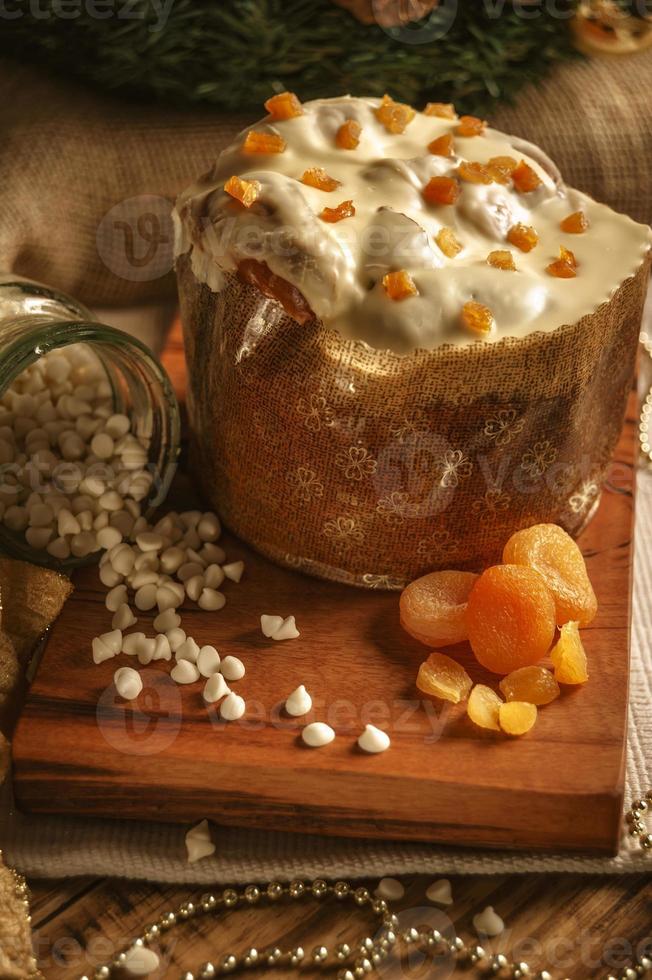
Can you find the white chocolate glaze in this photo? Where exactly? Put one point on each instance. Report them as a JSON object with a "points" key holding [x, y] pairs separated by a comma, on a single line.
{"points": [[339, 267]]}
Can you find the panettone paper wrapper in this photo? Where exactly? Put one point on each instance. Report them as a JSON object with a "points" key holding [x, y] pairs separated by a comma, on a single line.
{"points": [[372, 468]]}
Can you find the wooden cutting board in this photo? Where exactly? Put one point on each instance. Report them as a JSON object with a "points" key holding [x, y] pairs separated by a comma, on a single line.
{"points": [[78, 749]]}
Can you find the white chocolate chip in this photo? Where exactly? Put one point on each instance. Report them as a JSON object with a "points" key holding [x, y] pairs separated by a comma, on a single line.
{"points": [[234, 570], [146, 650], [131, 643], [270, 625], [166, 598], [208, 661], [215, 688], [184, 672], [232, 668], [208, 528], [123, 618], [113, 641], [176, 637], [116, 597], [391, 889], [440, 892], [194, 587], [128, 683], [145, 597], [232, 707], [188, 650], [211, 600], [162, 650], [488, 923], [287, 630], [299, 702], [373, 740], [109, 577], [167, 620], [101, 651], [108, 537], [198, 842], [213, 576], [150, 541], [317, 734]]}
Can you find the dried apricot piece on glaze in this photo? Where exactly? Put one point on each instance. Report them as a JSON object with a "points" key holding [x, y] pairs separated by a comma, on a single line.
{"points": [[344, 210], [285, 105], [510, 616], [517, 717], [443, 146], [477, 318], [433, 607], [560, 269], [471, 126], [317, 177], [394, 116], [566, 255], [501, 169], [474, 173], [549, 550], [569, 656], [441, 190], [483, 707], [448, 243], [525, 178], [244, 191], [443, 110], [502, 258], [575, 223], [348, 135], [534, 684], [263, 142], [523, 237], [442, 677], [399, 285]]}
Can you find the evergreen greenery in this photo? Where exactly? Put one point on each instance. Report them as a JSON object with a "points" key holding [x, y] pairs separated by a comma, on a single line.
{"points": [[232, 54]]}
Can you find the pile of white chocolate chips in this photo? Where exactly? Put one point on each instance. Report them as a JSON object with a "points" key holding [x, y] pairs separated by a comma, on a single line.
{"points": [[74, 482]]}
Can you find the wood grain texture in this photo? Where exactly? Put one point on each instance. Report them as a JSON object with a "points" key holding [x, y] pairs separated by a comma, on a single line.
{"points": [[79, 749], [577, 926]]}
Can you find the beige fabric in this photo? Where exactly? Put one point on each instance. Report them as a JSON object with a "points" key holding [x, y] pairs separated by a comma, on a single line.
{"points": [[86, 181]]}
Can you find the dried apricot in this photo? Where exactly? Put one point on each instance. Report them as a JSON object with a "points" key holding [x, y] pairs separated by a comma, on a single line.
{"points": [[344, 210], [263, 142], [471, 126], [444, 110], [394, 116], [523, 237], [285, 105], [556, 557], [443, 146], [442, 677], [433, 607], [561, 269], [502, 258], [534, 684], [348, 135], [517, 717], [566, 255], [575, 223], [474, 173], [510, 617], [399, 285], [525, 178], [245, 191], [484, 707], [441, 190], [477, 318], [569, 656], [448, 243], [508, 164], [317, 177]]}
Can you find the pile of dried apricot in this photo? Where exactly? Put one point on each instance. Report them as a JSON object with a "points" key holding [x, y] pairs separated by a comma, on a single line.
{"points": [[513, 615]]}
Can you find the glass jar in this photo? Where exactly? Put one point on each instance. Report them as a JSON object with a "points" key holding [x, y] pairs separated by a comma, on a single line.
{"points": [[35, 319]]}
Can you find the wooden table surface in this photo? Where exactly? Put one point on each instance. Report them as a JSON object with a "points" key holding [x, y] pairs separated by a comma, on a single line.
{"points": [[577, 926]]}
